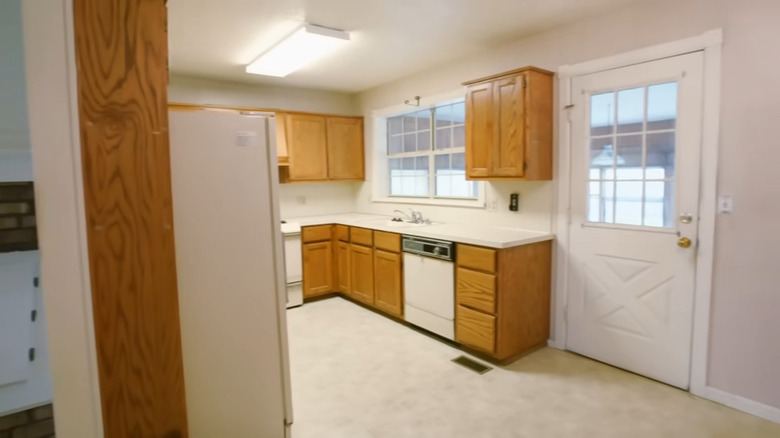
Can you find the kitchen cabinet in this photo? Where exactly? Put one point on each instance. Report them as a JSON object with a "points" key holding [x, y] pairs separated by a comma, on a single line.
{"points": [[509, 126], [343, 267], [317, 254], [345, 149], [361, 265], [388, 273], [502, 298], [317, 147]]}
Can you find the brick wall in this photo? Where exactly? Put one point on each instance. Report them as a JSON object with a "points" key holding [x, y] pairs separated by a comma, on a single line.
{"points": [[33, 423]]}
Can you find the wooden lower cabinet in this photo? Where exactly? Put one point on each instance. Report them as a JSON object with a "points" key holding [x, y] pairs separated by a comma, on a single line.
{"points": [[361, 265], [342, 263], [388, 283], [503, 308], [317, 268]]}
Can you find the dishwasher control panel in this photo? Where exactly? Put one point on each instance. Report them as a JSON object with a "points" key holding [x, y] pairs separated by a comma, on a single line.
{"points": [[424, 246]]}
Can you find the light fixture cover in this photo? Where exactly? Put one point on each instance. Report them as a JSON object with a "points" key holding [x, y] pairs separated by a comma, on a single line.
{"points": [[302, 47]]}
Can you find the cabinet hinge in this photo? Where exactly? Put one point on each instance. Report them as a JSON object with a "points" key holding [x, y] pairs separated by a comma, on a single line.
{"points": [[31, 354], [33, 315], [36, 282], [525, 166]]}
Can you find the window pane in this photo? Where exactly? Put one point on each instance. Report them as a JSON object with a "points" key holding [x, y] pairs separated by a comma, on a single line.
{"points": [[631, 107], [394, 125], [410, 142], [458, 113], [662, 106], [459, 162], [602, 156], [602, 113], [423, 119], [407, 163], [410, 124], [628, 202], [660, 152], [422, 163], [395, 164], [629, 155], [395, 145], [443, 138], [459, 136], [442, 162], [443, 115], [424, 141], [659, 204], [600, 201]]}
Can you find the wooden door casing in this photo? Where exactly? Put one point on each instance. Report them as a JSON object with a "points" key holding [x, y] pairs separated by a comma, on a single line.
{"points": [[122, 58]]}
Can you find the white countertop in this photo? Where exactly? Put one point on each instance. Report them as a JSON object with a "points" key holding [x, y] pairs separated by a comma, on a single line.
{"points": [[474, 234]]}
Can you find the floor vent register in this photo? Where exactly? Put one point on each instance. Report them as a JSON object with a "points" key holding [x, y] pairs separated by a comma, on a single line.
{"points": [[472, 364]]}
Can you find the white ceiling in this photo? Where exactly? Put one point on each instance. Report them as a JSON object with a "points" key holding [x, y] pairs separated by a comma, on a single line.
{"points": [[391, 39]]}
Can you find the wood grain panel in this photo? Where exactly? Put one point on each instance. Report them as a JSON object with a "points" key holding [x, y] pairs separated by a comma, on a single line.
{"points": [[524, 298], [388, 284], [510, 142], [316, 233], [475, 257], [342, 233], [480, 130], [307, 147], [361, 236], [361, 261], [539, 140], [476, 290], [317, 268], [387, 241], [281, 139], [345, 149], [343, 268], [122, 55], [475, 329]]}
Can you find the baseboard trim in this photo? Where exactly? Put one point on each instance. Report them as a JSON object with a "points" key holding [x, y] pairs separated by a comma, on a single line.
{"points": [[743, 404], [552, 343]]}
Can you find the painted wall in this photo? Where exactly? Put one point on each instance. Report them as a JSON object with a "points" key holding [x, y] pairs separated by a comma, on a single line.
{"points": [[296, 200], [744, 356], [16, 165]]}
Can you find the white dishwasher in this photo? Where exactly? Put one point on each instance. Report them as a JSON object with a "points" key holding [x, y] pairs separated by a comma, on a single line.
{"points": [[429, 284]]}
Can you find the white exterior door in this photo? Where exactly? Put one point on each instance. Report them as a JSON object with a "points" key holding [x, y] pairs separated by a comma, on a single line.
{"points": [[634, 200]]}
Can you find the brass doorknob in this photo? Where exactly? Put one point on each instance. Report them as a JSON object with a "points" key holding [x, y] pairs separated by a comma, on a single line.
{"points": [[684, 242]]}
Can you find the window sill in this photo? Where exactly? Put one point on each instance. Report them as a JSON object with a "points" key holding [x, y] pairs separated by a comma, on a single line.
{"points": [[465, 203]]}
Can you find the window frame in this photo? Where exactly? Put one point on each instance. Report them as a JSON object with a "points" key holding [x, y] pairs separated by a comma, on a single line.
{"points": [[381, 161]]}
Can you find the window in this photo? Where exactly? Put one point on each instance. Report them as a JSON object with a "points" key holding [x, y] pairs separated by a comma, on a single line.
{"points": [[426, 153], [632, 172]]}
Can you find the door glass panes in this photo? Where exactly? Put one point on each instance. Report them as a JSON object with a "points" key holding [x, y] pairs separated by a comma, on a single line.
{"points": [[632, 156]]}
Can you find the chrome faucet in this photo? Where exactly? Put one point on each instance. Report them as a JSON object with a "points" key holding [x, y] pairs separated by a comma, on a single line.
{"points": [[416, 216]]}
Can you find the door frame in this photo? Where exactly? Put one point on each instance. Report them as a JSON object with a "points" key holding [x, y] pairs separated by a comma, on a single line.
{"points": [[710, 44]]}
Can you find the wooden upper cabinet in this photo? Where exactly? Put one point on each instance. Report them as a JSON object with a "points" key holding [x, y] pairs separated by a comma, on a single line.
{"points": [[345, 148], [509, 126], [318, 147], [307, 147]]}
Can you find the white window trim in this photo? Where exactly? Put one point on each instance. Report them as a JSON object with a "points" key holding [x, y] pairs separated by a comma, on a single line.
{"points": [[380, 180]]}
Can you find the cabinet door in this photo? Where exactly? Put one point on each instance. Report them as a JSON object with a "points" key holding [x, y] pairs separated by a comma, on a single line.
{"points": [[509, 158], [387, 282], [345, 148], [317, 268], [342, 261], [475, 329], [280, 132], [361, 263], [306, 146], [480, 130]]}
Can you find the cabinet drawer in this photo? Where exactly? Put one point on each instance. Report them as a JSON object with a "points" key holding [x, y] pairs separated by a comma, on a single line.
{"points": [[387, 241], [483, 259], [361, 236], [342, 233], [476, 290], [315, 234], [475, 329]]}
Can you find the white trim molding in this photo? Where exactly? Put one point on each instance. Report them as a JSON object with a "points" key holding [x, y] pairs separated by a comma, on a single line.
{"points": [[710, 44], [743, 404]]}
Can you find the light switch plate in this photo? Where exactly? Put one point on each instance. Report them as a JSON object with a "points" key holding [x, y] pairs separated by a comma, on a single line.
{"points": [[725, 204]]}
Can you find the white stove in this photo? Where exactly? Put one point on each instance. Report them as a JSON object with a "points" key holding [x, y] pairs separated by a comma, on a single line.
{"points": [[293, 263]]}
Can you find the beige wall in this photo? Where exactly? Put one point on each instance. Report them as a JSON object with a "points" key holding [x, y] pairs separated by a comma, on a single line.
{"points": [[744, 355]]}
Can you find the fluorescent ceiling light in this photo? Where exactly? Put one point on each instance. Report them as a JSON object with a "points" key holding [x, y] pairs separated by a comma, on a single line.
{"points": [[304, 46]]}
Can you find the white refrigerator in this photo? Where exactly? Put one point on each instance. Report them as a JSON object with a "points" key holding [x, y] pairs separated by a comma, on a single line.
{"points": [[229, 258]]}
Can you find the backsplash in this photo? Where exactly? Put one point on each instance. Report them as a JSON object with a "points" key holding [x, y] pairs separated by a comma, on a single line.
{"points": [[17, 217], [316, 199]]}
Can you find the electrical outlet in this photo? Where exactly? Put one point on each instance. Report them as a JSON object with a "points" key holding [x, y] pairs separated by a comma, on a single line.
{"points": [[725, 204], [513, 202]]}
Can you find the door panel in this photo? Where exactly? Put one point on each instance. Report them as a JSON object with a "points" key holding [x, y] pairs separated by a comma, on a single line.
{"points": [[345, 148], [635, 170], [387, 282], [511, 129], [306, 146], [317, 269], [480, 130], [362, 279], [342, 259]]}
